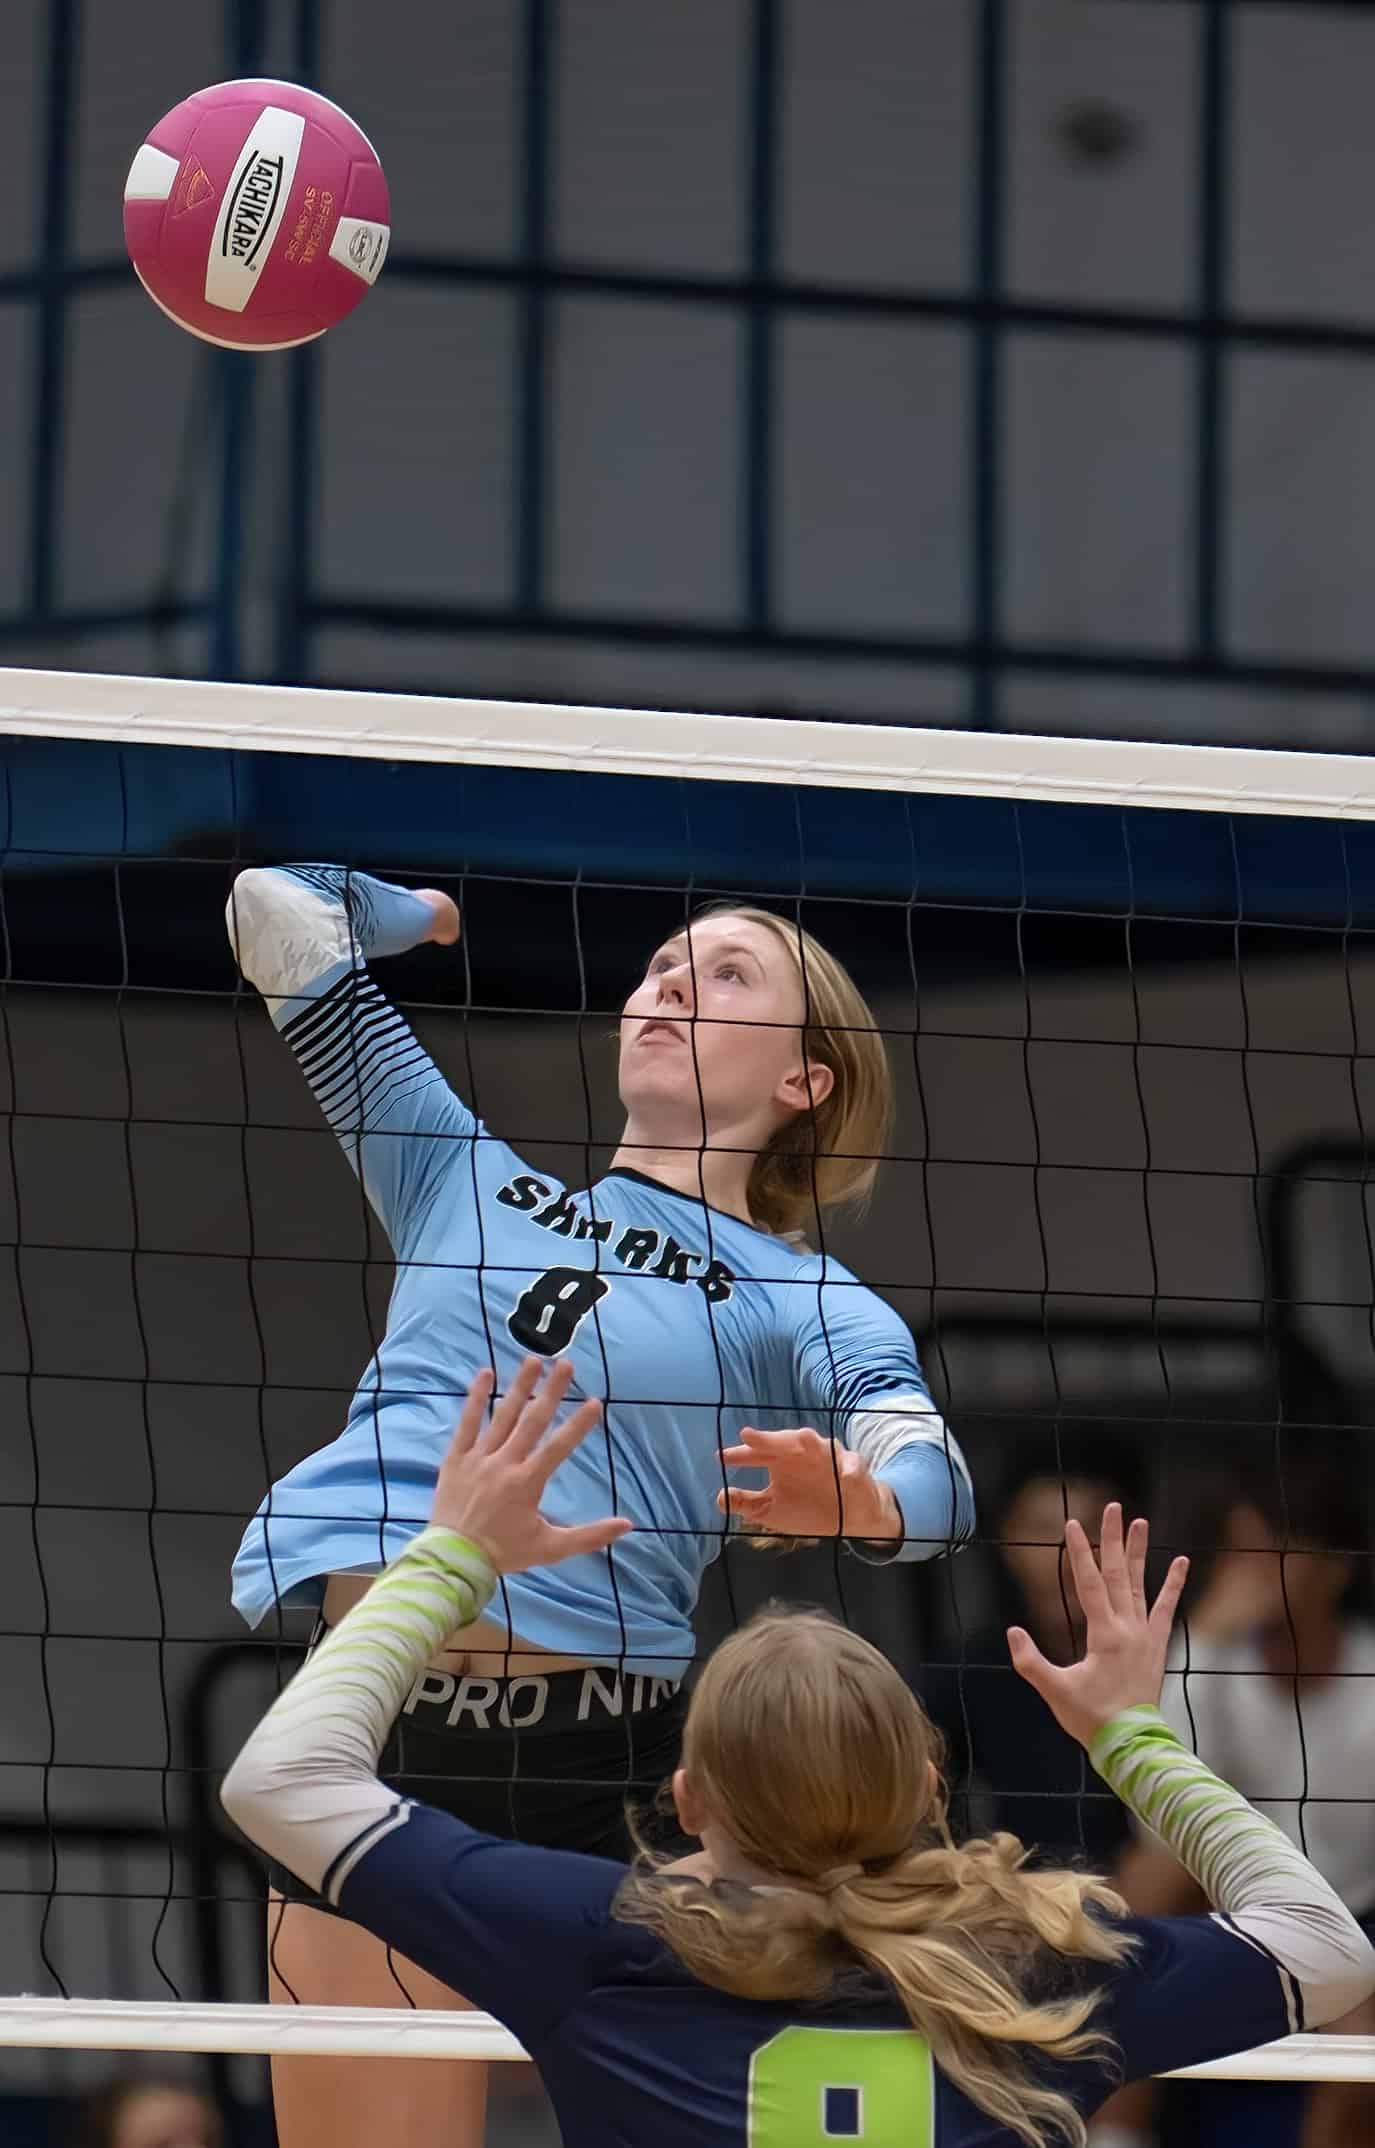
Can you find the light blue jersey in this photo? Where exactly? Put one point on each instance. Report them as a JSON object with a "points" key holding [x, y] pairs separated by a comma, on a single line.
{"points": [[686, 1322]]}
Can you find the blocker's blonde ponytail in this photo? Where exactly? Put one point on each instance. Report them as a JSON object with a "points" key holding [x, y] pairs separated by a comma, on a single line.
{"points": [[862, 1872]]}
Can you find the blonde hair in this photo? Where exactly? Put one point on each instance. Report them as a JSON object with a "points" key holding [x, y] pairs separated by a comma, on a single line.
{"points": [[854, 1828], [827, 1156]]}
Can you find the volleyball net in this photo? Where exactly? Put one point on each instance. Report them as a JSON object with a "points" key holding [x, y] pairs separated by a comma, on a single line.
{"points": [[1128, 994]]}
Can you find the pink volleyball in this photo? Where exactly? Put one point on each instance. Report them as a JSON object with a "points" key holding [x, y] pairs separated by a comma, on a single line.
{"points": [[256, 215]]}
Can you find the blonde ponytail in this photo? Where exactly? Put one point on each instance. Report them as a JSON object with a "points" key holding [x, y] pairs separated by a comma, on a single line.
{"points": [[962, 1936], [956, 1933]]}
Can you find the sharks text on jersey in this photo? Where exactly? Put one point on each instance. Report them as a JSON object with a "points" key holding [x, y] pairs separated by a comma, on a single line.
{"points": [[645, 1251]]}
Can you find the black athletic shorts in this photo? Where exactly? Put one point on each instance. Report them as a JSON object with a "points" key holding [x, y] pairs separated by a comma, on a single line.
{"points": [[552, 1759]]}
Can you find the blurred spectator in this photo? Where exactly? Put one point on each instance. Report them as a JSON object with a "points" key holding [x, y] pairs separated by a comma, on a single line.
{"points": [[1272, 1680], [147, 2112], [1010, 1765]]}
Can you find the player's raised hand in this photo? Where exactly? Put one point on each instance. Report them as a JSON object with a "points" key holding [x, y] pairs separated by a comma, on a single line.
{"points": [[498, 1464], [1123, 1662], [816, 1487], [445, 929]]}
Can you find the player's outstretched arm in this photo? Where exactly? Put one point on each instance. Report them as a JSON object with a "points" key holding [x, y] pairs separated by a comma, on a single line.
{"points": [[305, 1786], [303, 934], [1250, 1871]]}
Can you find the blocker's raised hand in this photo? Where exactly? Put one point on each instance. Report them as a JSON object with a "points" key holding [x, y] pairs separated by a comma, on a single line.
{"points": [[497, 1467], [1123, 1662], [816, 1487]]}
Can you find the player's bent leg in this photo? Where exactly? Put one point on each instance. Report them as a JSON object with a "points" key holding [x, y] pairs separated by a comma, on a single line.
{"points": [[315, 1959]]}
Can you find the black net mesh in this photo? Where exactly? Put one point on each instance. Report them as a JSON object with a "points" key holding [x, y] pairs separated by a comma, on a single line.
{"points": [[1126, 1216]]}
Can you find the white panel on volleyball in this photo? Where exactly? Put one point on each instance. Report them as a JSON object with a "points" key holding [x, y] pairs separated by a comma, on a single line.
{"points": [[253, 208], [150, 175], [360, 247]]}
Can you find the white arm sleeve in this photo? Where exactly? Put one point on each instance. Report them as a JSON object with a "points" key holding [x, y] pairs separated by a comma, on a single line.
{"points": [[907, 1443]]}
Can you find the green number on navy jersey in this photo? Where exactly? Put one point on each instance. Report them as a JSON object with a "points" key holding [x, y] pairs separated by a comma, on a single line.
{"points": [[812, 2088], [548, 1315]]}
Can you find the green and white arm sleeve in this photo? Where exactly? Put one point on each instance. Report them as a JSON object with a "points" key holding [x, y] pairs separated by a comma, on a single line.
{"points": [[305, 1786], [1261, 1885]]}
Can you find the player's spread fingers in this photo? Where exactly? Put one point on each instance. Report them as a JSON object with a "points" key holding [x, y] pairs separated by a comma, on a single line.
{"points": [[740, 1458], [1167, 1601], [474, 1411], [507, 1406], [734, 1501], [1027, 1660], [792, 1439], [562, 1441], [1087, 1579], [1113, 1561], [538, 1414], [507, 1412], [591, 1536], [1138, 1544]]}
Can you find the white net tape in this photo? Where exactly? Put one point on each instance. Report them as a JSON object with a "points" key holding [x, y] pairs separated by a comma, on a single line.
{"points": [[639, 742], [378, 2032]]}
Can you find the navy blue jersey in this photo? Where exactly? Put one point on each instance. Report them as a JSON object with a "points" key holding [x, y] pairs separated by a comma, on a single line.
{"points": [[688, 1322], [633, 2049]]}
